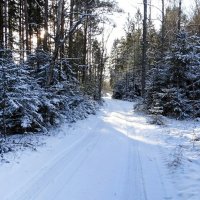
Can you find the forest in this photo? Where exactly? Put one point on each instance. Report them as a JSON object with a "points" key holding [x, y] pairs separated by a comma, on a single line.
{"points": [[51, 62], [90, 113], [160, 65], [53, 58]]}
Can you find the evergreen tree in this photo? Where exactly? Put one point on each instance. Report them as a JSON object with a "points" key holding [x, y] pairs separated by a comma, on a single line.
{"points": [[174, 88], [20, 98]]}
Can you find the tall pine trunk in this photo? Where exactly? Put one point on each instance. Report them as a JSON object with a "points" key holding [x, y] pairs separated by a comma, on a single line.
{"points": [[71, 18], [59, 25], [85, 50], [5, 16], [1, 24], [26, 27], [144, 50], [163, 28], [179, 15], [45, 40]]}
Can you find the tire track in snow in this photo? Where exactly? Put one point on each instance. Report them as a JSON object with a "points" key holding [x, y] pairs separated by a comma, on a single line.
{"points": [[63, 182], [144, 155], [53, 169], [109, 162], [135, 185], [136, 188]]}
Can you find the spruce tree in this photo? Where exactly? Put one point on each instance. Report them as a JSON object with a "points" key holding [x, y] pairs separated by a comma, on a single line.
{"points": [[174, 85]]}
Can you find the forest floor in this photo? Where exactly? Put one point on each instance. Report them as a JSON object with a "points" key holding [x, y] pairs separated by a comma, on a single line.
{"points": [[114, 155]]}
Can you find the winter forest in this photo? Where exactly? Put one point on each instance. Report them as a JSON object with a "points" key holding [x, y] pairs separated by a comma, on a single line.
{"points": [[86, 114], [161, 65], [51, 61]]}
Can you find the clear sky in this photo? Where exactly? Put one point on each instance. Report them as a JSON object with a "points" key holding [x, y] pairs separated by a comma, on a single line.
{"points": [[130, 7]]}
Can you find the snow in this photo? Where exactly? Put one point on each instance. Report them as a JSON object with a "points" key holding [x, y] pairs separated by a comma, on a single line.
{"points": [[115, 155]]}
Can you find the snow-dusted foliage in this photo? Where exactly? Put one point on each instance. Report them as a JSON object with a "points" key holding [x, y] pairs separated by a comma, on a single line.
{"points": [[127, 87], [63, 99], [174, 86], [21, 97], [39, 62], [26, 104]]}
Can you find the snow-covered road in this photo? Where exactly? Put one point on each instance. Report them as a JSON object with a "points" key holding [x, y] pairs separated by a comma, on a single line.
{"points": [[105, 157]]}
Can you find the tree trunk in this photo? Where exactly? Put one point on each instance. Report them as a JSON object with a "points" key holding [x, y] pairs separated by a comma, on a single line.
{"points": [[179, 15], [26, 27], [23, 31], [20, 32], [144, 51], [57, 41], [71, 18], [6, 24], [45, 40], [62, 34], [85, 50], [1, 25], [100, 75], [163, 29]]}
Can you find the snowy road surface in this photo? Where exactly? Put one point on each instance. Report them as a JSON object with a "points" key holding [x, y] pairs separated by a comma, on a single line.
{"points": [[105, 157]]}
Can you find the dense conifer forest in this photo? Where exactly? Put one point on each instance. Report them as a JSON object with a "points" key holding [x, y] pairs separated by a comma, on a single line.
{"points": [[51, 63], [135, 77], [160, 65]]}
